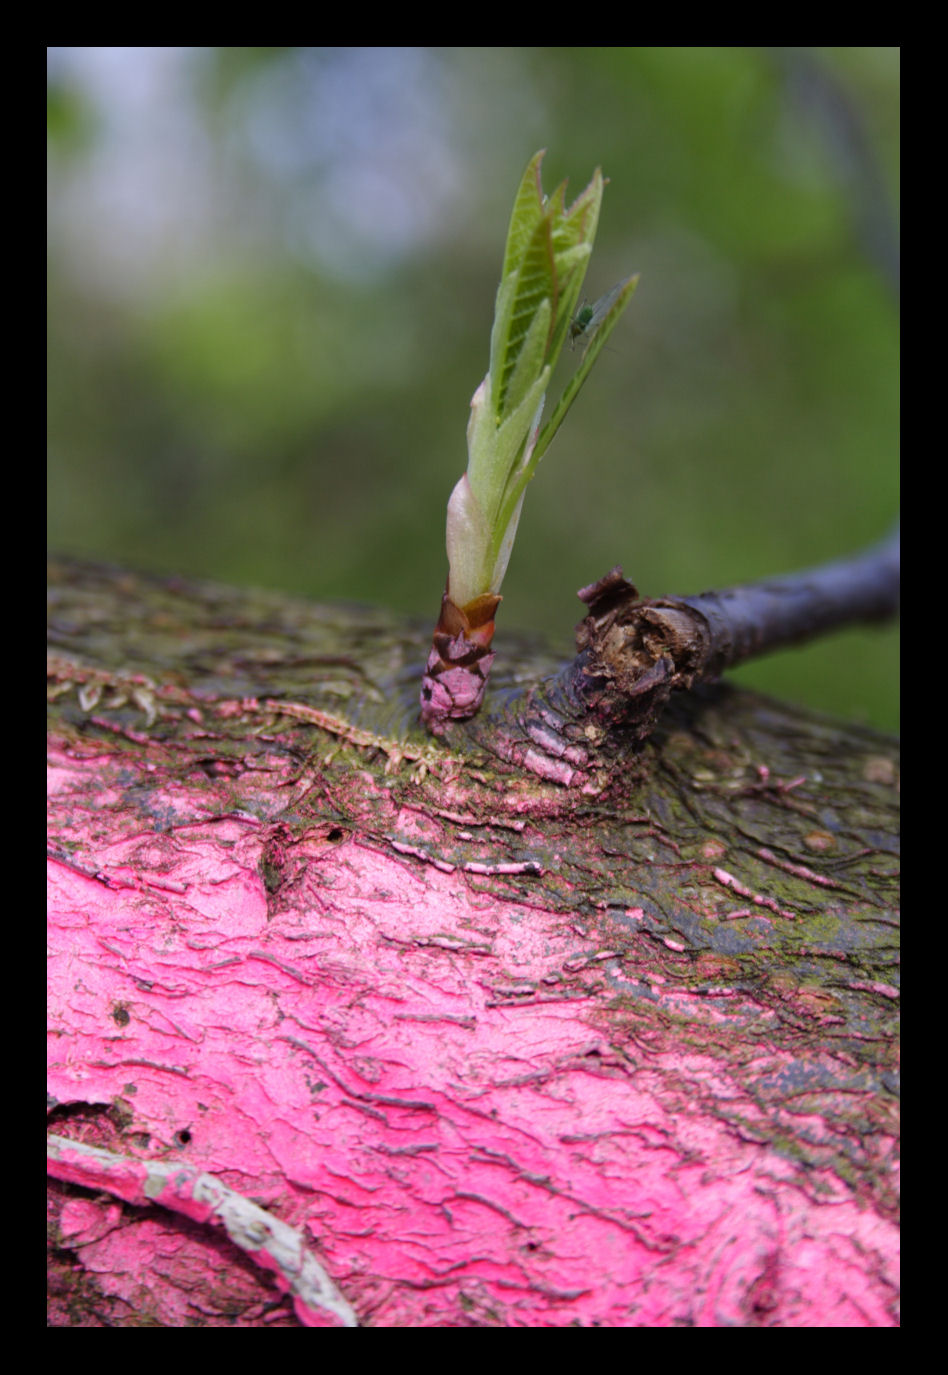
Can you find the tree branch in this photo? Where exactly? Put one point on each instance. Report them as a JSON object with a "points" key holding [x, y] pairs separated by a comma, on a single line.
{"points": [[633, 653], [820, 97]]}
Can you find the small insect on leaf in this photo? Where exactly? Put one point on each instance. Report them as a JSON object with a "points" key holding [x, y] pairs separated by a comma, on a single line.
{"points": [[588, 318], [580, 323]]}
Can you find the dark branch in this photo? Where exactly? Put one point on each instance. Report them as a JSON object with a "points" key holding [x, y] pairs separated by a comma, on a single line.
{"points": [[821, 98], [635, 652]]}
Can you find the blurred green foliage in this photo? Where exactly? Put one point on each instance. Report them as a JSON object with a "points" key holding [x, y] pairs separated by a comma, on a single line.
{"points": [[272, 276]]}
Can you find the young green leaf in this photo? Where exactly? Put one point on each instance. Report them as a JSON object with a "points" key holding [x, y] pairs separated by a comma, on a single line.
{"points": [[547, 252]]}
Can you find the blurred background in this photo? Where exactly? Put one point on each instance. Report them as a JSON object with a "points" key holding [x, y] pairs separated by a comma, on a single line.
{"points": [[271, 285]]}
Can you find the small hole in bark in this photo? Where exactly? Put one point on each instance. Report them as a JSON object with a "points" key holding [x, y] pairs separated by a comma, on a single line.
{"points": [[336, 834], [182, 1137]]}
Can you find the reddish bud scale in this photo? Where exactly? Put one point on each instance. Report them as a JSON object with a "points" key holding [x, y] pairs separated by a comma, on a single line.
{"points": [[459, 662]]}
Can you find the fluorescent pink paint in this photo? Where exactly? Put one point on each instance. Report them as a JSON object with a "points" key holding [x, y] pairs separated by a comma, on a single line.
{"points": [[419, 1079]]}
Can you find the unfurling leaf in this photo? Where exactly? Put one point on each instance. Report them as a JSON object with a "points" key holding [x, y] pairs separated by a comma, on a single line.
{"points": [[545, 260]]}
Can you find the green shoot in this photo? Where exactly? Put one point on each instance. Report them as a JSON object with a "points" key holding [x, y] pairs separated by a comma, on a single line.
{"points": [[548, 250]]}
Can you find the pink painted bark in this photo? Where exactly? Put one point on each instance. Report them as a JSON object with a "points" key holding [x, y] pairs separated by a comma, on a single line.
{"points": [[492, 1052]]}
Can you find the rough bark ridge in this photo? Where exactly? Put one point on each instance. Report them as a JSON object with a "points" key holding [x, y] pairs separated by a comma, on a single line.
{"points": [[489, 1051]]}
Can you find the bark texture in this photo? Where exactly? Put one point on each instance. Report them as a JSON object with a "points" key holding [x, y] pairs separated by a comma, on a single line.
{"points": [[484, 1050]]}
